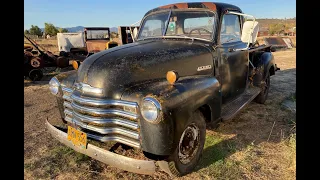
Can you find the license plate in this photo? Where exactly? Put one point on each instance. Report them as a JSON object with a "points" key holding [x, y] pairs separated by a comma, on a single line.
{"points": [[78, 138]]}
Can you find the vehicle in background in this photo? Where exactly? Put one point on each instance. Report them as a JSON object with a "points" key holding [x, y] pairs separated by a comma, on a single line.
{"points": [[36, 58]]}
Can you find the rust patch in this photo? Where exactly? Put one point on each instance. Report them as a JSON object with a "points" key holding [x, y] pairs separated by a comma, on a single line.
{"points": [[182, 5], [210, 5], [177, 5]]}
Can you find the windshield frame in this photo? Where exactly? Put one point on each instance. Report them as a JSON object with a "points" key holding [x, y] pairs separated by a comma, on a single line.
{"points": [[214, 29]]}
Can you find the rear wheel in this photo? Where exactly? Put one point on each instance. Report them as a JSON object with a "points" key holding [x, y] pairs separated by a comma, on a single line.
{"points": [[265, 86], [35, 74], [189, 150]]}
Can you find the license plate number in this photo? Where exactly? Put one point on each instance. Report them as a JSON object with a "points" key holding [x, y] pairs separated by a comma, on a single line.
{"points": [[78, 138]]}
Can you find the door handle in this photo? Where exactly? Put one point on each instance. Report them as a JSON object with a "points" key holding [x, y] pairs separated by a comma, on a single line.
{"points": [[231, 49]]}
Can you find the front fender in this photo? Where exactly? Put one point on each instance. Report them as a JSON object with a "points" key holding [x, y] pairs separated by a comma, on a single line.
{"points": [[178, 102]]}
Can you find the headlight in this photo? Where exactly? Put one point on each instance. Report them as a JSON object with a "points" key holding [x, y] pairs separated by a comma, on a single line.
{"points": [[54, 86], [150, 110]]}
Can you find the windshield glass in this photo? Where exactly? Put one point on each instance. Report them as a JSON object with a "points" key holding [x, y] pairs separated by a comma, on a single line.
{"points": [[193, 24], [97, 34]]}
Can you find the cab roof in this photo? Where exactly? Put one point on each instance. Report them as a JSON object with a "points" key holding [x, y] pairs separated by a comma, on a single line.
{"points": [[213, 6]]}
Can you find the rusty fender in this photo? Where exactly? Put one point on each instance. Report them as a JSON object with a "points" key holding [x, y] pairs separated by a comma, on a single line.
{"points": [[110, 158]]}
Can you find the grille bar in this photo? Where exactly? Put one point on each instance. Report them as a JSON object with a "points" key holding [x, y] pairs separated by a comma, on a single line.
{"points": [[102, 111], [101, 121], [101, 102], [104, 130]]}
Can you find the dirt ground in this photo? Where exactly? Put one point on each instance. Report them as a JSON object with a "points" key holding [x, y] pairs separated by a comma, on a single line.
{"points": [[259, 143]]}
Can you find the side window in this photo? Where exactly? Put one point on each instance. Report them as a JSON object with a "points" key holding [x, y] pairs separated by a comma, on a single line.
{"points": [[230, 29]]}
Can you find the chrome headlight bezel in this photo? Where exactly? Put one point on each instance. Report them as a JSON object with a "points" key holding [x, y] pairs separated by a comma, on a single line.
{"points": [[152, 117], [54, 86]]}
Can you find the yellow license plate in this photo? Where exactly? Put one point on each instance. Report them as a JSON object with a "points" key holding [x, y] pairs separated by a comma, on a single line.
{"points": [[78, 138]]}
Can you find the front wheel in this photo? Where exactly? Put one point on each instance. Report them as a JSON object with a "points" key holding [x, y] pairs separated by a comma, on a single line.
{"points": [[265, 86], [189, 150]]}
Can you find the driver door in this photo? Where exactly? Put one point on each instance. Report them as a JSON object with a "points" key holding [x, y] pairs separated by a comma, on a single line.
{"points": [[233, 65]]}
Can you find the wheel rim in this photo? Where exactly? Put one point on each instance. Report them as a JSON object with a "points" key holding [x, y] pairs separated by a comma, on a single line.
{"points": [[189, 144]]}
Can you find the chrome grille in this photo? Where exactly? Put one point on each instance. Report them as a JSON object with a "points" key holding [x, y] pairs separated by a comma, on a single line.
{"points": [[109, 120]]}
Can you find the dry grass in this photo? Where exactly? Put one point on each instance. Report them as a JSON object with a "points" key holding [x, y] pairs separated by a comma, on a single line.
{"points": [[238, 149]]}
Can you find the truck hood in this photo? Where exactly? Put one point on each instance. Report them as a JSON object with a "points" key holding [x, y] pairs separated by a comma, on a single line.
{"points": [[118, 68]]}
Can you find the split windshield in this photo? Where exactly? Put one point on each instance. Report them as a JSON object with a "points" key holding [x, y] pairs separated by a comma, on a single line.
{"points": [[188, 24]]}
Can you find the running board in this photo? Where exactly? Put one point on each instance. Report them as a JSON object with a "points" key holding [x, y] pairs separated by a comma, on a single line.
{"points": [[231, 109]]}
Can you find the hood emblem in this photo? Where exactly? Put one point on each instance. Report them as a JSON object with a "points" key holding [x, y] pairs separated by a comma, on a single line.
{"points": [[202, 68], [86, 88]]}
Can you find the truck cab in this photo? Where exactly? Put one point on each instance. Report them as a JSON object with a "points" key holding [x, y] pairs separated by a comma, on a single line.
{"points": [[191, 66]]}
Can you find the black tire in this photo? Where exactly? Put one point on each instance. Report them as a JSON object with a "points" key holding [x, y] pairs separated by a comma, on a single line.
{"points": [[176, 166], [265, 86], [62, 62], [35, 74]]}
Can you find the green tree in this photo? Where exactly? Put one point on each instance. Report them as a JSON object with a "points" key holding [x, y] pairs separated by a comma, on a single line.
{"points": [[26, 32], [63, 30], [50, 29], [35, 30], [276, 28]]}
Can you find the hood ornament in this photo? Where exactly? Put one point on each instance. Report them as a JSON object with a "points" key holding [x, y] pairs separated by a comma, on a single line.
{"points": [[86, 88]]}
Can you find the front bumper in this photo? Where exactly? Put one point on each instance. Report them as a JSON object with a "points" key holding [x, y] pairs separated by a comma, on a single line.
{"points": [[107, 157]]}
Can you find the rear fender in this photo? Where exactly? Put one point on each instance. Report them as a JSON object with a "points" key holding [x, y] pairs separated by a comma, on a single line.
{"points": [[265, 64]]}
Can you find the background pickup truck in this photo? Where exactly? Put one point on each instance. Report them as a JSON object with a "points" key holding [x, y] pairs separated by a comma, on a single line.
{"points": [[192, 65]]}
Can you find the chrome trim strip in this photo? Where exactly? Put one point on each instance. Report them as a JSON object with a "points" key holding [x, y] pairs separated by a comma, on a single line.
{"points": [[67, 98], [101, 111], [109, 130], [67, 105], [68, 90], [102, 102], [102, 121], [128, 142]]}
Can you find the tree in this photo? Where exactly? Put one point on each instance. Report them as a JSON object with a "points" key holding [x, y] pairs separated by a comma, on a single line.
{"points": [[26, 32], [50, 29], [63, 30], [35, 30], [276, 28]]}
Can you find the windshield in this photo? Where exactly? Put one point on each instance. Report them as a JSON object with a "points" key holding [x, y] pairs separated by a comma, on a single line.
{"points": [[97, 34], [190, 24]]}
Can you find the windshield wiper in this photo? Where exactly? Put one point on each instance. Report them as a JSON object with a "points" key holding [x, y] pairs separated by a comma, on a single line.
{"points": [[166, 26]]}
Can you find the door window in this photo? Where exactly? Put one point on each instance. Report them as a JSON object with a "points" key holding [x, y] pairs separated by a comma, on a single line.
{"points": [[230, 29]]}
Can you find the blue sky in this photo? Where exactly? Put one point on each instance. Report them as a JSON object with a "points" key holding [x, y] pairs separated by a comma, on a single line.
{"points": [[113, 13]]}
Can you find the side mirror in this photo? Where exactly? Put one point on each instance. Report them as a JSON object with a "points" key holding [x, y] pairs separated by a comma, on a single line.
{"points": [[250, 32]]}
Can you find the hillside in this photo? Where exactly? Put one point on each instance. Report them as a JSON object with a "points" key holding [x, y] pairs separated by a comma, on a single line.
{"points": [[267, 22]]}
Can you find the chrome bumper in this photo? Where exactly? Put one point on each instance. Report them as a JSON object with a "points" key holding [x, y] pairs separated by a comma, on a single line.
{"points": [[107, 157]]}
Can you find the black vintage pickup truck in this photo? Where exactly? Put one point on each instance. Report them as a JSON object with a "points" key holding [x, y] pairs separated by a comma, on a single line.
{"points": [[192, 65]]}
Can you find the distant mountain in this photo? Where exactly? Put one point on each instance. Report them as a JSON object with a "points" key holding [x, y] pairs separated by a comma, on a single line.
{"points": [[81, 28]]}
